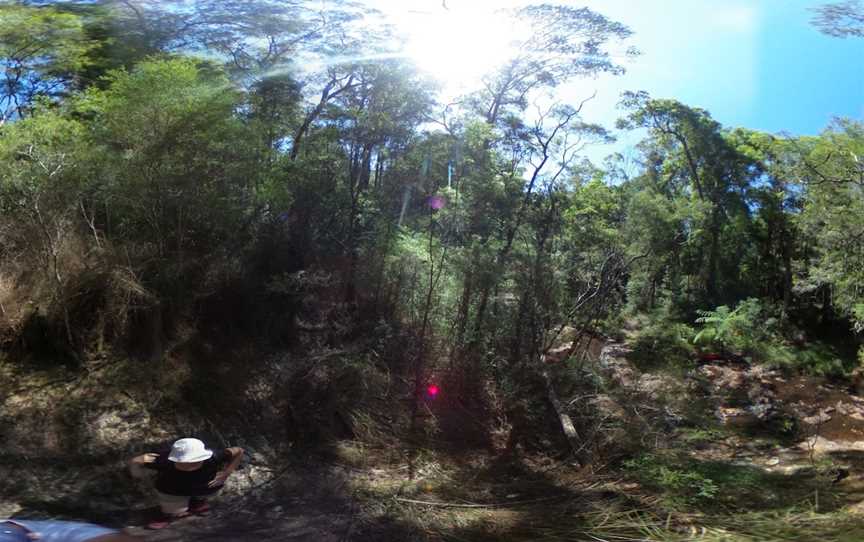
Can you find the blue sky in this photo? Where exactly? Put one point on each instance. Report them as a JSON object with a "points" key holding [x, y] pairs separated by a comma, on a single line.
{"points": [[753, 63], [759, 64]]}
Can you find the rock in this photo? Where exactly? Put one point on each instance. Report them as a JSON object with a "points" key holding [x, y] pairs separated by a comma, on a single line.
{"points": [[763, 411], [845, 408], [854, 411], [614, 366], [765, 374], [855, 509], [818, 418], [821, 445], [758, 393], [722, 378], [246, 479], [656, 386], [9, 509], [724, 413], [558, 354]]}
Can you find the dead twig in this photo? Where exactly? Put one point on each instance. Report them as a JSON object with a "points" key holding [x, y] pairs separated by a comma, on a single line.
{"points": [[473, 505]]}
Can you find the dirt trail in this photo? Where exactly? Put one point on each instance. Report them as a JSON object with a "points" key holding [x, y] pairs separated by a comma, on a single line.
{"points": [[64, 440], [308, 502], [311, 505]]}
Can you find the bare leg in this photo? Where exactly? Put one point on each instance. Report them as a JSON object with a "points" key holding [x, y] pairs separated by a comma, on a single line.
{"points": [[173, 505]]}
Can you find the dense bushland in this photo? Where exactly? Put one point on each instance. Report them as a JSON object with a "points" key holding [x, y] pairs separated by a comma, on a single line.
{"points": [[169, 176]]}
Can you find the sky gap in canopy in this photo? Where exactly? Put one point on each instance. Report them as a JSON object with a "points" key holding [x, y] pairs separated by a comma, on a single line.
{"points": [[753, 63]]}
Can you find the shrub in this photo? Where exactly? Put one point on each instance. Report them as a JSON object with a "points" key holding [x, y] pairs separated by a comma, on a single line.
{"points": [[754, 330], [662, 342], [679, 483], [744, 329]]}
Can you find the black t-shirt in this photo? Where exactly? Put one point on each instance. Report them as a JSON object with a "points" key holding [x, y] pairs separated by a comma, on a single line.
{"points": [[193, 483]]}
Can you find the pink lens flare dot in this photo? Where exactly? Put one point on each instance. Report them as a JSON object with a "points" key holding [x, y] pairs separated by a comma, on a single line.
{"points": [[432, 390], [437, 202]]}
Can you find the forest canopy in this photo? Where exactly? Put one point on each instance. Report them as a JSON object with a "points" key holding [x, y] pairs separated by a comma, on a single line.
{"points": [[160, 158]]}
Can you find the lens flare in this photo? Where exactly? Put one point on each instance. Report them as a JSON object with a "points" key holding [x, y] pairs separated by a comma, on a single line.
{"points": [[437, 202], [432, 390]]}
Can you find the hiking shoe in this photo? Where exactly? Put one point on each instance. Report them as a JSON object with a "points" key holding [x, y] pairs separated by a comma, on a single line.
{"points": [[164, 521], [199, 507], [159, 524]]}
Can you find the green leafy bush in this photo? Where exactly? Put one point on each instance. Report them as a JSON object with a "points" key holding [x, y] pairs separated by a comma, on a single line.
{"points": [[742, 330], [679, 483], [662, 342], [753, 330]]}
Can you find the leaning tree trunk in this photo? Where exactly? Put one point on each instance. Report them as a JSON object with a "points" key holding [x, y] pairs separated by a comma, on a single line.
{"points": [[563, 418]]}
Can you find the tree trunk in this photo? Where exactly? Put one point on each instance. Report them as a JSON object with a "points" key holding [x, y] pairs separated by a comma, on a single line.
{"points": [[462, 316], [787, 277], [563, 418]]}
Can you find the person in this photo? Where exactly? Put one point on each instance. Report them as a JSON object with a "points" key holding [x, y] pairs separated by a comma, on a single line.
{"points": [[186, 476], [25, 530]]}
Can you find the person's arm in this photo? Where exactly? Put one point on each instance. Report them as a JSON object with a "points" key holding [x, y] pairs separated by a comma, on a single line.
{"points": [[145, 461], [236, 454]]}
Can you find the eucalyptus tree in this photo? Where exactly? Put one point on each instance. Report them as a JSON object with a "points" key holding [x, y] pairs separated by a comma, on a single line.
{"points": [[776, 197], [841, 19], [376, 116], [42, 171], [560, 43], [694, 150], [833, 213], [41, 51], [173, 167]]}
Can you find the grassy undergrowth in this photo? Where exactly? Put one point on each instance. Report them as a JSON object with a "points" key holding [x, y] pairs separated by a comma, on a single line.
{"points": [[662, 496], [688, 484], [785, 526]]}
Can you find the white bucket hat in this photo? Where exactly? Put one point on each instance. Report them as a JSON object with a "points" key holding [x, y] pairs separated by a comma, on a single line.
{"points": [[189, 450]]}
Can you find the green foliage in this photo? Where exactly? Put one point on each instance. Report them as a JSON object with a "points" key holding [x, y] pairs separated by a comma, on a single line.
{"points": [[700, 435], [714, 485], [171, 157], [754, 330], [696, 168], [816, 358], [833, 215], [677, 483], [41, 176], [662, 341], [41, 49], [595, 216], [180, 175], [40, 150], [720, 326], [741, 330]]}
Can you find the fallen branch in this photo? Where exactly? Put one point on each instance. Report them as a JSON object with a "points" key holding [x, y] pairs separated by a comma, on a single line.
{"points": [[490, 505]]}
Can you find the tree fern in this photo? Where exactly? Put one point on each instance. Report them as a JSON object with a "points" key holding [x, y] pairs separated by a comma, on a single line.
{"points": [[718, 326]]}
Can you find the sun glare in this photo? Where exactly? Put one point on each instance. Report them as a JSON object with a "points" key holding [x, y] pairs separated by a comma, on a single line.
{"points": [[458, 45]]}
